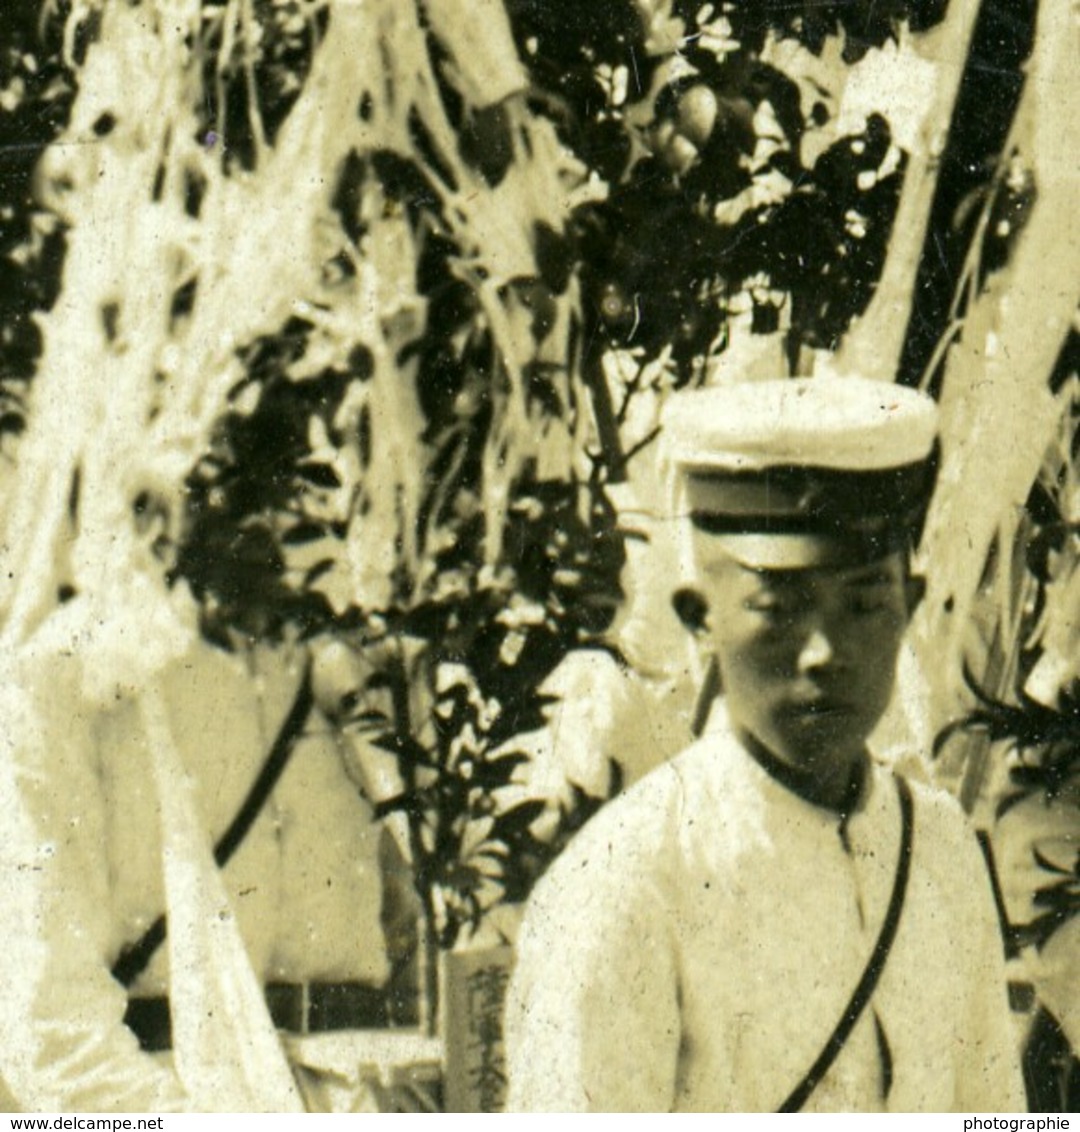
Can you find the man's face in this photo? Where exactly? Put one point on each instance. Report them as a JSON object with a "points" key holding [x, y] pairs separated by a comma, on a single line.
{"points": [[808, 656]]}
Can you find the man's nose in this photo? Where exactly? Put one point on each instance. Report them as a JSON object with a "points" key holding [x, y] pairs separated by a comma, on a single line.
{"points": [[817, 650]]}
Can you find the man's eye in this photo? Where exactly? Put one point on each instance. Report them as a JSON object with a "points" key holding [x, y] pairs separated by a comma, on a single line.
{"points": [[770, 606], [868, 604]]}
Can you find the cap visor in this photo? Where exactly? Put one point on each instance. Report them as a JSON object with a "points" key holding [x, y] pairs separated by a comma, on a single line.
{"points": [[798, 551]]}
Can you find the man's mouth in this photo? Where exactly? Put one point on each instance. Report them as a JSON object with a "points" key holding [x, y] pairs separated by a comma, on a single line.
{"points": [[819, 707]]}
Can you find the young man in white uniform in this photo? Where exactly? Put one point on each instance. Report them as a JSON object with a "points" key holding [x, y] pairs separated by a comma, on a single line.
{"points": [[773, 920]]}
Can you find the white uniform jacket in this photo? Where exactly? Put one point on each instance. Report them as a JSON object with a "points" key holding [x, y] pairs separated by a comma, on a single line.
{"points": [[695, 946], [81, 872]]}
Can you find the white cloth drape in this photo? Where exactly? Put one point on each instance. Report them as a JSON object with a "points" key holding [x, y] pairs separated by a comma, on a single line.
{"points": [[225, 1048]]}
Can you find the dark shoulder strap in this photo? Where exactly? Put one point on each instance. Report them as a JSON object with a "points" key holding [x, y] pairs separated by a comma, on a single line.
{"points": [[874, 966], [1011, 936], [710, 689], [135, 956]]}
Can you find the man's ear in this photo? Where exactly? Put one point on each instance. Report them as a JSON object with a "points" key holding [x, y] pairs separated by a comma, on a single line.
{"points": [[914, 592], [691, 608]]}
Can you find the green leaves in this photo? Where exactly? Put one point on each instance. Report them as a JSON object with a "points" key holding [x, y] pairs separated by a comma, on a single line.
{"points": [[685, 113], [1046, 742], [1059, 901], [477, 835], [36, 91]]}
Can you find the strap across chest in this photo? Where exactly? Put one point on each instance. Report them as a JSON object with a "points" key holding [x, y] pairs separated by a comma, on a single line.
{"points": [[875, 964]]}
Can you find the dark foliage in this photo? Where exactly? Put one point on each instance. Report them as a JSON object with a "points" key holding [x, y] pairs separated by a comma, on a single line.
{"points": [[1047, 743], [656, 264], [1046, 739], [252, 87], [863, 25], [246, 499], [36, 91]]}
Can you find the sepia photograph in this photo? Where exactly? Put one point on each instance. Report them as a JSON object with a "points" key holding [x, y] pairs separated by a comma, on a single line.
{"points": [[539, 556]]}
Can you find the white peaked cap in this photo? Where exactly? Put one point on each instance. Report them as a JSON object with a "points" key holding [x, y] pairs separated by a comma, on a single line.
{"points": [[839, 423]]}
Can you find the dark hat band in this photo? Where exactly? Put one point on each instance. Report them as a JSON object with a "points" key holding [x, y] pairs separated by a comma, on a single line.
{"points": [[867, 542], [863, 516], [809, 497]]}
